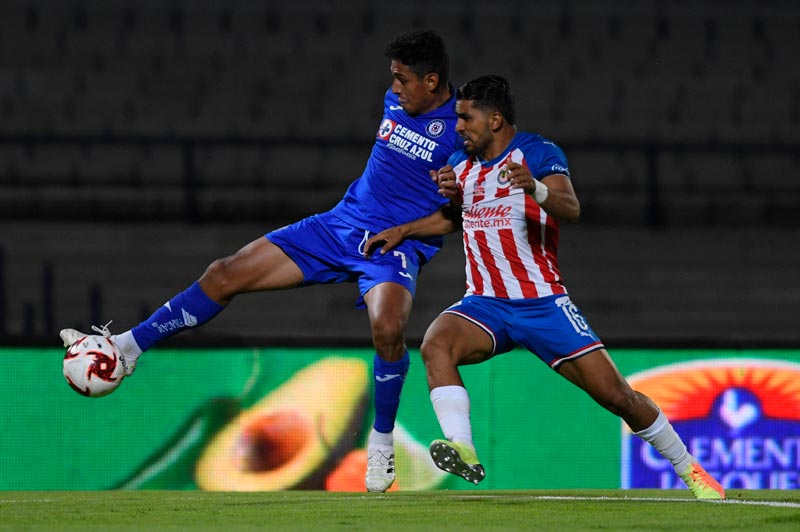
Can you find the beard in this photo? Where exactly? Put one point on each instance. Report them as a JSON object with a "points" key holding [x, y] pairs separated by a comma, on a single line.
{"points": [[478, 142]]}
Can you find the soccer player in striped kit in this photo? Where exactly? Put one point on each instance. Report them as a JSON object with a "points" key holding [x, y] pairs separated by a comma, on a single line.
{"points": [[514, 188], [415, 136]]}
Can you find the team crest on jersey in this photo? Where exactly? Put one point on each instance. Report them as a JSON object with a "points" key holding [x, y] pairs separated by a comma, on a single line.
{"points": [[386, 128], [435, 128], [502, 177]]}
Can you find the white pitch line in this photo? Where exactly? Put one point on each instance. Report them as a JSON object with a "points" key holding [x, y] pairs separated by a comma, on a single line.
{"points": [[745, 502], [17, 501], [776, 504], [599, 498]]}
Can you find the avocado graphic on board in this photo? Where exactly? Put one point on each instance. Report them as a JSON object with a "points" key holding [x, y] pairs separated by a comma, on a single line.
{"points": [[292, 437]]}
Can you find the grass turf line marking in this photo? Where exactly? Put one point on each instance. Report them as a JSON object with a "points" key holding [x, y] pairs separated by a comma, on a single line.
{"points": [[745, 502], [599, 498], [17, 501], [775, 504]]}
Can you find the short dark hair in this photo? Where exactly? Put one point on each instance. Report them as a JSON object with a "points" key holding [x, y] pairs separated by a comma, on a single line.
{"points": [[490, 93], [423, 51]]}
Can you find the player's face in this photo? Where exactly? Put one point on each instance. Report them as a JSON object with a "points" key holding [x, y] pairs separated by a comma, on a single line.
{"points": [[475, 127], [415, 94]]}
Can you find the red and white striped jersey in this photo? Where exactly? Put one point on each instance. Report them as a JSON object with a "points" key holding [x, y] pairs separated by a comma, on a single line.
{"points": [[509, 241]]}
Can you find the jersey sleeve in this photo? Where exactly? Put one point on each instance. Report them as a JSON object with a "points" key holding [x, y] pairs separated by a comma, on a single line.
{"points": [[548, 159]]}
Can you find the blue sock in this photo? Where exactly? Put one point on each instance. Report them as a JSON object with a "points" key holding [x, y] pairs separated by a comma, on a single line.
{"points": [[389, 378], [190, 308]]}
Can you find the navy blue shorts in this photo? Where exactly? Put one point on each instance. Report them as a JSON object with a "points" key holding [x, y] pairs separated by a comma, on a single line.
{"points": [[328, 251], [551, 327]]}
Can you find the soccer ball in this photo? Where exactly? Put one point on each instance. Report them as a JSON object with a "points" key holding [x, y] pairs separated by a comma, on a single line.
{"points": [[93, 367]]}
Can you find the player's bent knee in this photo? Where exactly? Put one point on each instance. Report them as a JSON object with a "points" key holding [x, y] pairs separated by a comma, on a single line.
{"points": [[384, 332], [218, 282], [436, 353], [428, 350], [388, 339]]}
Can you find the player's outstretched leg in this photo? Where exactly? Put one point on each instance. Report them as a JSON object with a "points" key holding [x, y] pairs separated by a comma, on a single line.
{"points": [[598, 376], [190, 308], [457, 458]]}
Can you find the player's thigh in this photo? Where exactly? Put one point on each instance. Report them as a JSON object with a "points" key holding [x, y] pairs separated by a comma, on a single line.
{"points": [[596, 374], [259, 265], [456, 340]]}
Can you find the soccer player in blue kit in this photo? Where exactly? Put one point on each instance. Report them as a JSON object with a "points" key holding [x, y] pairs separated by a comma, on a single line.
{"points": [[417, 134]]}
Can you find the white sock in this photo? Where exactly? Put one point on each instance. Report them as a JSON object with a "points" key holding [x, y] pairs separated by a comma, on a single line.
{"points": [[127, 344], [666, 441], [451, 404], [380, 439]]}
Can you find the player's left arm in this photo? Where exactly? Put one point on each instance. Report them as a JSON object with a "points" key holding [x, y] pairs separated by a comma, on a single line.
{"points": [[554, 192], [446, 220]]}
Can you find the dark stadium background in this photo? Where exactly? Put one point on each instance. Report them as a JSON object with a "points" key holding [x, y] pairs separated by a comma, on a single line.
{"points": [[141, 139]]}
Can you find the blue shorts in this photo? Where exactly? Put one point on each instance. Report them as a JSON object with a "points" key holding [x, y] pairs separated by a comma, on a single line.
{"points": [[551, 327], [328, 251]]}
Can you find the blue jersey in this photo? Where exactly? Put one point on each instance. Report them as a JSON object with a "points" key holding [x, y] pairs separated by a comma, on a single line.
{"points": [[396, 187]]}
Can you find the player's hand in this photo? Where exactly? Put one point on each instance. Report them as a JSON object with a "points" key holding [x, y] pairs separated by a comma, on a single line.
{"points": [[384, 241], [445, 179], [520, 177]]}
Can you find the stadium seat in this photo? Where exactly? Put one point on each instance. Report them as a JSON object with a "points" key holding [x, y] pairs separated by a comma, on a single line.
{"points": [[269, 110]]}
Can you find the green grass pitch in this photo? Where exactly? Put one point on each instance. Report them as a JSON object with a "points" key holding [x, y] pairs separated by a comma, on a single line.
{"points": [[315, 511]]}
